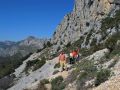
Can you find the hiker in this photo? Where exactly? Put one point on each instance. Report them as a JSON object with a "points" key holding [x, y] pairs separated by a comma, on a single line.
{"points": [[75, 55], [71, 60], [62, 61]]}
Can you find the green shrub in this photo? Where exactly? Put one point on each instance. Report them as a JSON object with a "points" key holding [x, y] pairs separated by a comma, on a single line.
{"points": [[116, 59], [36, 64], [58, 48], [39, 50], [57, 83], [8, 69], [41, 86], [107, 23], [110, 43], [44, 81], [112, 40], [83, 77], [78, 42], [25, 89], [87, 71], [112, 64], [94, 41], [86, 52], [68, 45], [110, 22], [10, 63], [26, 57], [72, 77], [55, 72], [39, 64], [48, 44], [88, 36], [96, 48], [102, 76], [115, 52], [73, 46], [57, 65], [31, 63], [87, 66]]}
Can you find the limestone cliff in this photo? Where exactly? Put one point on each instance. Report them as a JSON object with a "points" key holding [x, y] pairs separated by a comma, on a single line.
{"points": [[84, 19]]}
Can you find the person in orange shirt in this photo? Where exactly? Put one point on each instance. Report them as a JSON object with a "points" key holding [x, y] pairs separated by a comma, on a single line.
{"points": [[62, 61]]}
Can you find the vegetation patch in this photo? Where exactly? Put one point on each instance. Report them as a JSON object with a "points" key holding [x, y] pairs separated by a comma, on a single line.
{"points": [[88, 72], [116, 58], [72, 77], [39, 64], [55, 72], [85, 71], [86, 65], [73, 46], [88, 36], [10, 63], [112, 40], [58, 83], [57, 65], [41, 86], [114, 53], [102, 76], [94, 41], [34, 65], [110, 22], [44, 81], [83, 77]]}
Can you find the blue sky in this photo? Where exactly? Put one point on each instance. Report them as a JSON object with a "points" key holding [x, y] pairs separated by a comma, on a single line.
{"points": [[22, 18]]}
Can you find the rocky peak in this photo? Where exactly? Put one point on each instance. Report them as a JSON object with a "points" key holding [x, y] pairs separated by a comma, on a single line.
{"points": [[29, 41], [30, 38]]}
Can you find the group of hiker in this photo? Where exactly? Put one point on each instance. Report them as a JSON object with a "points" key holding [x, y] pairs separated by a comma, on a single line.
{"points": [[73, 58]]}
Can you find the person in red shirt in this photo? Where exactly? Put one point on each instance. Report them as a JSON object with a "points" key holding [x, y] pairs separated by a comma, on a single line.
{"points": [[71, 61], [76, 55]]}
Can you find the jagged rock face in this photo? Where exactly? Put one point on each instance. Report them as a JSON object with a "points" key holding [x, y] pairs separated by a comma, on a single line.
{"points": [[86, 16]]}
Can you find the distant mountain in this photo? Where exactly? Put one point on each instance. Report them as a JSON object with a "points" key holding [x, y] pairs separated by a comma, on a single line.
{"points": [[32, 41], [6, 44], [30, 44]]}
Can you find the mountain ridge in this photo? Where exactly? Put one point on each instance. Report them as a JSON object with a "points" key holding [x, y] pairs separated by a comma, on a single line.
{"points": [[9, 48]]}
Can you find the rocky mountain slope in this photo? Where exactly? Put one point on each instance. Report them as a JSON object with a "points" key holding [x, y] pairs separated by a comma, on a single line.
{"points": [[93, 26], [24, 47], [75, 78]]}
